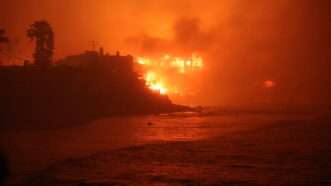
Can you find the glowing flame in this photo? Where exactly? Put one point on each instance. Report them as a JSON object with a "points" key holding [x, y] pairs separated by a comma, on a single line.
{"points": [[159, 87], [182, 65], [269, 84], [160, 73], [154, 84]]}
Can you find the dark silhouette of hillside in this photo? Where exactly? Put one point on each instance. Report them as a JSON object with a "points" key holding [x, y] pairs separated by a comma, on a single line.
{"points": [[79, 88]]}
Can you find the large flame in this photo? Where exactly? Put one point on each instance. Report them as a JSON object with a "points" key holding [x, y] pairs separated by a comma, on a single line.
{"points": [[154, 83], [160, 73]]}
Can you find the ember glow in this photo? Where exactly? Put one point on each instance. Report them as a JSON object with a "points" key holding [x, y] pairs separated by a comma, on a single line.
{"points": [[269, 84], [161, 73]]}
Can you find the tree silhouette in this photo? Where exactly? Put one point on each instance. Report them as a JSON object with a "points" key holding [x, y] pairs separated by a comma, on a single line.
{"points": [[42, 33]]}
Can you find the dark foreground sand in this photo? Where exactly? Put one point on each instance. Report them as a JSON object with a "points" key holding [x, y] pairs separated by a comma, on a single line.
{"points": [[288, 152]]}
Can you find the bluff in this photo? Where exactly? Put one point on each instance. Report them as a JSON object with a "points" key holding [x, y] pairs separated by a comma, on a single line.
{"points": [[77, 89]]}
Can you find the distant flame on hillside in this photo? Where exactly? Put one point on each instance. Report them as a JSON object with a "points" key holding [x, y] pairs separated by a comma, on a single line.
{"points": [[160, 73]]}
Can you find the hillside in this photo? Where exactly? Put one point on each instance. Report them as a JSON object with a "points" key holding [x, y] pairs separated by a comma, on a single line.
{"points": [[78, 89]]}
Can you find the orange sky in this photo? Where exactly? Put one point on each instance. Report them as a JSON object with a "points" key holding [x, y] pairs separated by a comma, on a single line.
{"points": [[244, 43]]}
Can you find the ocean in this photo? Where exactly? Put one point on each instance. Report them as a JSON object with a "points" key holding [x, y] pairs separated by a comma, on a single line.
{"points": [[174, 149]]}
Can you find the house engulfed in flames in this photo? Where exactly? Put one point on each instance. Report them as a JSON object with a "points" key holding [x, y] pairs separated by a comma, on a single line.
{"points": [[167, 74]]}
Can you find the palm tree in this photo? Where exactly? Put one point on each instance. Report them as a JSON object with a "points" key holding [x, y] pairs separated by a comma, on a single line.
{"points": [[42, 33]]}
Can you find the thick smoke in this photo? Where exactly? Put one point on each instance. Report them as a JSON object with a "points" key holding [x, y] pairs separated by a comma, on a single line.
{"points": [[187, 37], [284, 42]]}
